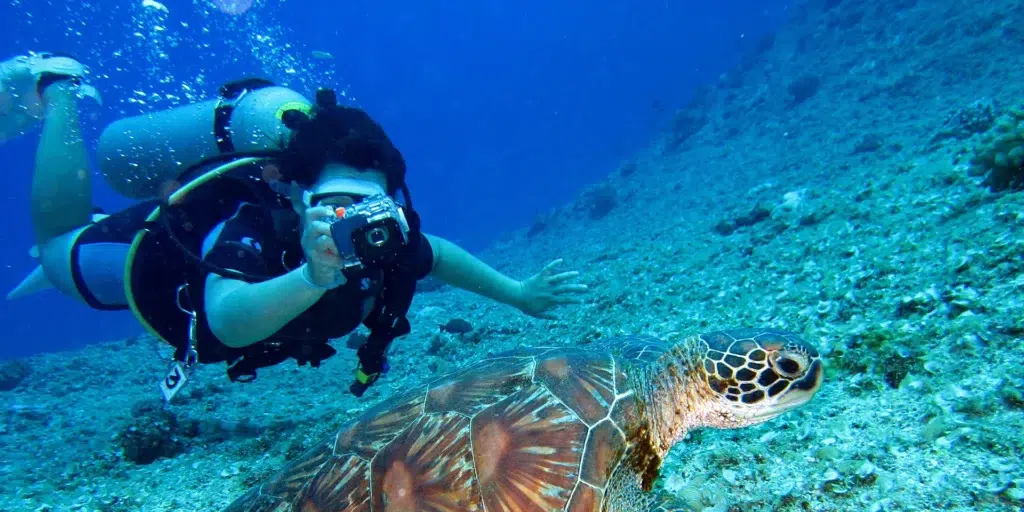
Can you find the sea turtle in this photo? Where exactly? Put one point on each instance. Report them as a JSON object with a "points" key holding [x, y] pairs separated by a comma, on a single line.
{"points": [[547, 429]]}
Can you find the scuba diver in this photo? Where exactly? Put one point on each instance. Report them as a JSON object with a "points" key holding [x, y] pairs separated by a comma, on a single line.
{"points": [[267, 225]]}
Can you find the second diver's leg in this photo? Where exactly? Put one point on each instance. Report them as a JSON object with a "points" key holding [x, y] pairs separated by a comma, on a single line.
{"points": [[61, 198]]}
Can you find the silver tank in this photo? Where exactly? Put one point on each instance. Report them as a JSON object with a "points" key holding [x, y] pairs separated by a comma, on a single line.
{"points": [[140, 156]]}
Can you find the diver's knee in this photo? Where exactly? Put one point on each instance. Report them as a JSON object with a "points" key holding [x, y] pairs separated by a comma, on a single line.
{"points": [[89, 264], [56, 258]]}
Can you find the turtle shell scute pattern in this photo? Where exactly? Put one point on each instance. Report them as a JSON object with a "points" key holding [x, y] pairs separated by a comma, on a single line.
{"points": [[636, 351], [536, 429], [338, 485], [487, 379], [253, 501]]}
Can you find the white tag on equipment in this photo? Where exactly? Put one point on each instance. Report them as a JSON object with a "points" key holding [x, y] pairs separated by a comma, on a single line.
{"points": [[173, 381]]}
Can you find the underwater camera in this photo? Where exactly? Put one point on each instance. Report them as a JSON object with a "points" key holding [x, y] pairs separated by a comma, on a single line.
{"points": [[370, 233]]}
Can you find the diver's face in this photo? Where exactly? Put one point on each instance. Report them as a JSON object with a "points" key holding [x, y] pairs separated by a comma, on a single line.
{"points": [[332, 171]]}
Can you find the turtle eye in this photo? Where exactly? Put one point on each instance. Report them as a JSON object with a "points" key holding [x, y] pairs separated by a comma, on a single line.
{"points": [[789, 365]]}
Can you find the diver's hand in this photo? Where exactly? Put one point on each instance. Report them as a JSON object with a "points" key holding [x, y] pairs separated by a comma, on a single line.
{"points": [[322, 260], [546, 290]]}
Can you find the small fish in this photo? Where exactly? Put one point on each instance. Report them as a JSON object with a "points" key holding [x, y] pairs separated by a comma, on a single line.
{"points": [[322, 55], [456, 326]]}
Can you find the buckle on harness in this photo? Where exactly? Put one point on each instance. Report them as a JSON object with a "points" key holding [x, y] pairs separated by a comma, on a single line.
{"points": [[365, 380], [180, 370], [373, 355]]}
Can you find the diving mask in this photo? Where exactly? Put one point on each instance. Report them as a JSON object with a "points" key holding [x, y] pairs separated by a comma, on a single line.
{"points": [[341, 192]]}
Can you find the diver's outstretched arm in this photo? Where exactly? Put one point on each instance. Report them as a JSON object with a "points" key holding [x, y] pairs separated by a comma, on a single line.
{"points": [[535, 296], [62, 183]]}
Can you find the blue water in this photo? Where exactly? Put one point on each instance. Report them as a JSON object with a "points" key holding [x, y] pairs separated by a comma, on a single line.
{"points": [[502, 109]]}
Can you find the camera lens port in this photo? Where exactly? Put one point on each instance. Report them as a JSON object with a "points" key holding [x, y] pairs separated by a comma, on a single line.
{"points": [[377, 236]]}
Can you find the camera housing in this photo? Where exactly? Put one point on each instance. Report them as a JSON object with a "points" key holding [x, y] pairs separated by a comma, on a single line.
{"points": [[369, 234]]}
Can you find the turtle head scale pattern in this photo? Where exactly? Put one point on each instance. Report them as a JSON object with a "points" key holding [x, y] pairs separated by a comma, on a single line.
{"points": [[754, 376]]}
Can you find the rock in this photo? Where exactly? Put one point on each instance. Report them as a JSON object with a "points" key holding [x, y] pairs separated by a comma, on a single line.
{"points": [[975, 118], [869, 143], [12, 373], [796, 209], [599, 201], [685, 124], [757, 214], [999, 155], [803, 88], [150, 435], [438, 343]]}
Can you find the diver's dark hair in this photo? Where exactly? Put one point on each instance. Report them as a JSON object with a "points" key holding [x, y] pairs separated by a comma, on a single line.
{"points": [[339, 134]]}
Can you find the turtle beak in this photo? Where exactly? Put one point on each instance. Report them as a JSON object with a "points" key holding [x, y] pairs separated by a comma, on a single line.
{"points": [[801, 391], [811, 382], [798, 394]]}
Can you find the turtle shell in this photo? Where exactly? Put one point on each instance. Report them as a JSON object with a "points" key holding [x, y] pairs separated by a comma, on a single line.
{"points": [[535, 429]]}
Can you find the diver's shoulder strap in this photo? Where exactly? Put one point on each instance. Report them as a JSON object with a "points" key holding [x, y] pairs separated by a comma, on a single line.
{"points": [[385, 326], [387, 321]]}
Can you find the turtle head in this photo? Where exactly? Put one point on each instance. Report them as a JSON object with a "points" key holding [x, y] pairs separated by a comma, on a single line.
{"points": [[754, 376]]}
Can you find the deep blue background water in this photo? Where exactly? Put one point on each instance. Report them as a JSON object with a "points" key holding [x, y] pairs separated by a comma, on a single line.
{"points": [[502, 109]]}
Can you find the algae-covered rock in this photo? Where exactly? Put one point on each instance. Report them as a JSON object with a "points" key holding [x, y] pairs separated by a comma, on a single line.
{"points": [[151, 434], [758, 213], [803, 88], [972, 119], [999, 157], [599, 201]]}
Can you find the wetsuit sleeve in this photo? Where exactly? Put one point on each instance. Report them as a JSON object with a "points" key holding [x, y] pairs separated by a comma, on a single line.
{"points": [[240, 242], [422, 258]]}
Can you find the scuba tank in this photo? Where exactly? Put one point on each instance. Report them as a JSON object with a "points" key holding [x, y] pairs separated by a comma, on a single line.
{"points": [[143, 157]]}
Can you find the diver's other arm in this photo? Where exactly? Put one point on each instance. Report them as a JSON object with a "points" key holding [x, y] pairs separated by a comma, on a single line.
{"points": [[241, 313], [535, 296], [457, 267]]}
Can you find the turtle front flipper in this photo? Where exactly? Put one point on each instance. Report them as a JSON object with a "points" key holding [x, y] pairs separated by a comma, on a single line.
{"points": [[625, 494]]}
